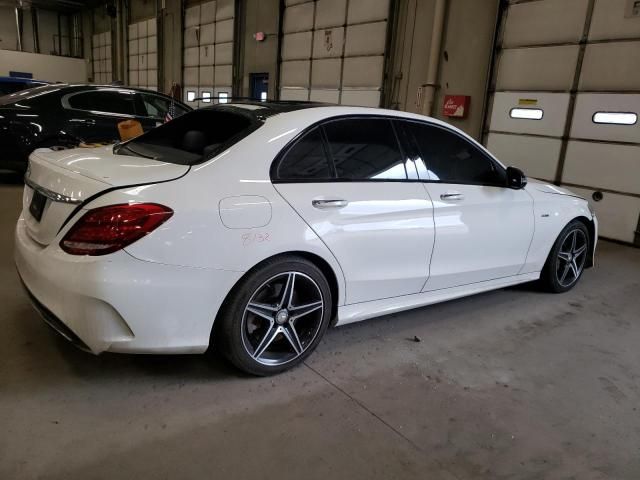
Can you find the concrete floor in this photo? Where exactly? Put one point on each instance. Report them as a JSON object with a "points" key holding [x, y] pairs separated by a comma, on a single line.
{"points": [[512, 384]]}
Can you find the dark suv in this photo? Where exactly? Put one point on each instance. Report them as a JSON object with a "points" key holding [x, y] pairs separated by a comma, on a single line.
{"points": [[65, 115]]}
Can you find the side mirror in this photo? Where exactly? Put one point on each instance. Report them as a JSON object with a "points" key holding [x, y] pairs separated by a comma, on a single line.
{"points": [[516, 178]]}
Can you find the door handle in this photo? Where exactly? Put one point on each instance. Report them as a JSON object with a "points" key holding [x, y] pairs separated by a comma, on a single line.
{"points": [[452, 196], [334, 203]]}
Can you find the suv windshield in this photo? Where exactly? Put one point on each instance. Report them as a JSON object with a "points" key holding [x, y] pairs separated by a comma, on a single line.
{"points": [[191, 138]]}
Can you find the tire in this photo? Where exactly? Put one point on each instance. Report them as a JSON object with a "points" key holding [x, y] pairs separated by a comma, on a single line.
{"points": [[265, 327], [566, 260]]}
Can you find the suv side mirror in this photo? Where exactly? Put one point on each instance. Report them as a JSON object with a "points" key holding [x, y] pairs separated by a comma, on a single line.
{"points": [[516, 178]]}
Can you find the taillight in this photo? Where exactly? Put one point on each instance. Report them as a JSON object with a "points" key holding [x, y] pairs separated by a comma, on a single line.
{"points": [[108, 229]]}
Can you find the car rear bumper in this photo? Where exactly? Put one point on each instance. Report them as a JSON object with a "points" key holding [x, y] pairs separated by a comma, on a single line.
{"points": [[118, 303]]}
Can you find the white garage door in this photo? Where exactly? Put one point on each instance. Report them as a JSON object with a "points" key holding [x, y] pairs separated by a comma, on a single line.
{"points": [[143, 54], [101, 43], [566, 102], [208, 52], [334, 51]]}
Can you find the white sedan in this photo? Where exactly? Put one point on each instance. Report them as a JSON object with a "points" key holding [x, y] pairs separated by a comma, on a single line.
{"points": [[253, 227]]}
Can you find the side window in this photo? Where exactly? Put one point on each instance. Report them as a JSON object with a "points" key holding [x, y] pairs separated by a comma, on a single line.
{"points": [[306, 160], [104, 101], [365, 149], [450, 158], [156, 107]]}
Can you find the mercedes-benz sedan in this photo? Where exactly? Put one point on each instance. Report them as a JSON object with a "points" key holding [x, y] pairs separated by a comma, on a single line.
{"points": [[253, 227]]}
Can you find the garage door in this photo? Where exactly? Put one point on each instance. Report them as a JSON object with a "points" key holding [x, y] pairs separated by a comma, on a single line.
{"points": [[566, 102], [208, 52], [143, 54], [334, 51], [101, 44]]}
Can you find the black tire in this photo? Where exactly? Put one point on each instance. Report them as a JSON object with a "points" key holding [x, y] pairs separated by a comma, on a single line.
{"points": [[239, 328], [559, 274]]}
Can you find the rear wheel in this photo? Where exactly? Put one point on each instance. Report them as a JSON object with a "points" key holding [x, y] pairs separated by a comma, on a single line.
{"points": [[276, 317], [567, 258]]}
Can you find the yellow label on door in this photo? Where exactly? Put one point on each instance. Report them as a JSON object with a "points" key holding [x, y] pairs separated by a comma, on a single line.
{"points": [[528, 101]]}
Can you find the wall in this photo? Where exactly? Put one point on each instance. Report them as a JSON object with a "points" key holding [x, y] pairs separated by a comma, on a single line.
{"points": [[464, 58], [171, 50], [8, 37], [260, 57], [44, 67]]}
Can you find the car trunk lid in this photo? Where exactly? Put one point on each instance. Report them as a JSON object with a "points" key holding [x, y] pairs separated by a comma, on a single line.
{"points": [[57, 182]]}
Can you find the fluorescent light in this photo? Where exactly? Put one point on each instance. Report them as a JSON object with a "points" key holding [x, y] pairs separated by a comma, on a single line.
{"points": [[615, 118], [223, 97], [191, 96], [206, 97], [263, 96], [526, 113]]}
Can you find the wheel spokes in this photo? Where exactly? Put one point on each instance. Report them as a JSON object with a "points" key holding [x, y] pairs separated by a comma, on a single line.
{"points": [[287, 292], [262, 310], [579, 250], [290, 334], [302, 310], [567, 267], [564, 256], [267, 340]]}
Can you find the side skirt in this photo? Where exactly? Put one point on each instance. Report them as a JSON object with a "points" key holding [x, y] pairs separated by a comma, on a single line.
{"points": [[377, 308]]}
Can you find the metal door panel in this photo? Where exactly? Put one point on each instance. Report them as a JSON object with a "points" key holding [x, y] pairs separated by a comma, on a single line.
{"points": [[604, 165], [553, 105], [536, 156]]}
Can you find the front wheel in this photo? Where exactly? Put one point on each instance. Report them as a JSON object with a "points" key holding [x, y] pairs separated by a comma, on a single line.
{"points": [[276, 317], [567, 258]]}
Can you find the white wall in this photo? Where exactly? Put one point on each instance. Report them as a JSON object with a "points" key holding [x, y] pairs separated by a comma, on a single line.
{"points": [[44, 67]]}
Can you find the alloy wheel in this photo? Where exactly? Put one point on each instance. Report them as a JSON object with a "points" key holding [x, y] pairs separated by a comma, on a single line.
{"points": [[282, 318], [571, 257]]}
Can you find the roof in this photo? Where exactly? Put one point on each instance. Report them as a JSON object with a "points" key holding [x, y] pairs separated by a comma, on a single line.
{"points": [[21, 80], [263, 110]]}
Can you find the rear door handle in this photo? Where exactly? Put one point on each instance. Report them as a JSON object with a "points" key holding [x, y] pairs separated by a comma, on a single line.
{"points": [[333, 203], [452, 196]]}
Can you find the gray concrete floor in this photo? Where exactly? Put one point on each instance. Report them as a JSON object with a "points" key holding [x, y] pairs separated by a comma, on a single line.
{"points": [[513, 384]]}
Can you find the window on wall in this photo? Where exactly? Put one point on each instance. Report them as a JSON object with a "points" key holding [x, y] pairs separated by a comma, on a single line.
{"points": [[365, 149], [615, 118], [526, 113], [101, 60], [449, 158], [143, 56]]}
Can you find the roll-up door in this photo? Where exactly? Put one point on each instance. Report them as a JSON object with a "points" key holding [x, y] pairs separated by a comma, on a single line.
{"points": [[334, 51], [101, 58], [208, 52], [143, 54], [566, 101]]}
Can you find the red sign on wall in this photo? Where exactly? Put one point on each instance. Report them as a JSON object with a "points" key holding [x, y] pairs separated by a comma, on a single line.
{"points": [[456, 106]]}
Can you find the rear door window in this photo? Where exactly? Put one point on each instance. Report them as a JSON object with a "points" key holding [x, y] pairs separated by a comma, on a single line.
{"points": [[365, 149], [306, 160]]}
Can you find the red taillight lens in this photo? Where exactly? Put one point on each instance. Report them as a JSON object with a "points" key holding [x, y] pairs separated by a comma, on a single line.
{"points": [[108, 229]]}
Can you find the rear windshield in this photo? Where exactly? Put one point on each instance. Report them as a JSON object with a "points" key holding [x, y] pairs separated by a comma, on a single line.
{"points": [[30, 93], [191, 138]]}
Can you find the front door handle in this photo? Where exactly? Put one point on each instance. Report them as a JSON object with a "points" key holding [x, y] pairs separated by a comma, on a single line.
{"points": [[451, 196], [333, 203]]}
